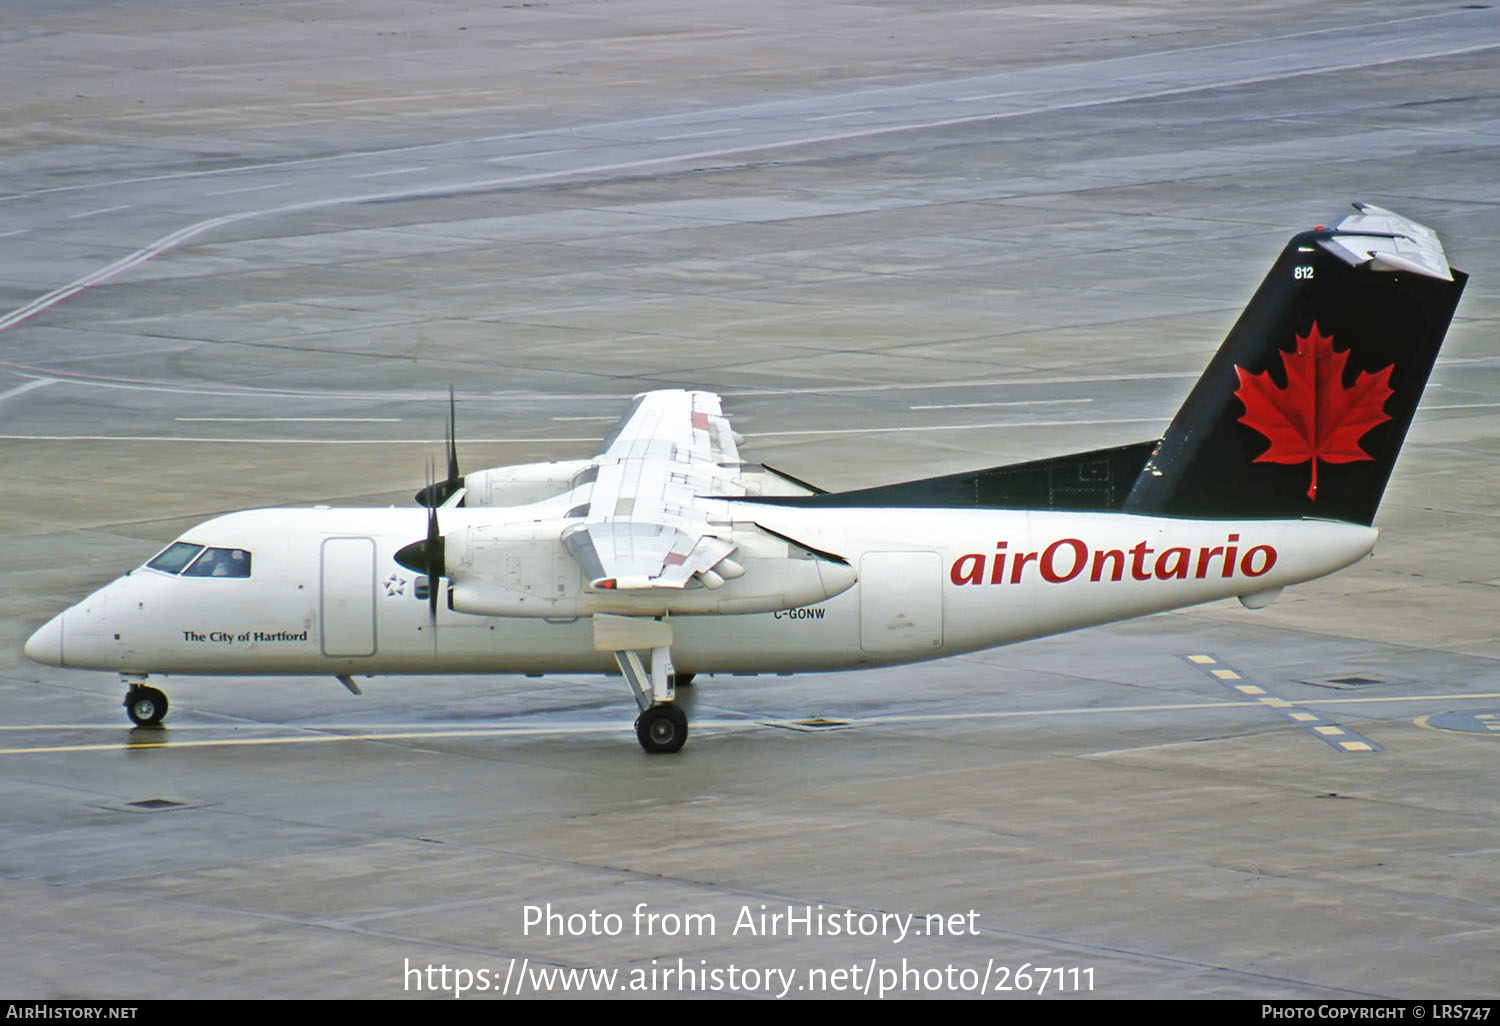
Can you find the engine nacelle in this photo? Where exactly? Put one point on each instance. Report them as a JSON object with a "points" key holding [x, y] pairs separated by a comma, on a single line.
{"points": [[522, 484], [526, 570]]}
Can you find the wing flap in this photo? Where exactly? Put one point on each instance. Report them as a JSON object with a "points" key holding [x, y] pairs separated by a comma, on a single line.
{"points": [[647, 525], [631, 555]]}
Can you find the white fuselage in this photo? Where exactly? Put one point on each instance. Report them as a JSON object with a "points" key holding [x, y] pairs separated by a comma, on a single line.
{"points": [[326, 595]]}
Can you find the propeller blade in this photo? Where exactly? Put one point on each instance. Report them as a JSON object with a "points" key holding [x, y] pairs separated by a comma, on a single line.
{"points": [[437, 494], [434, 550], [429, 556], [455, 479]]}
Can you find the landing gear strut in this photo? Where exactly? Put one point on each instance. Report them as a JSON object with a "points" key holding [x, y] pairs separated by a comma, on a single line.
{"points": [[145, 705], [662, 727]]}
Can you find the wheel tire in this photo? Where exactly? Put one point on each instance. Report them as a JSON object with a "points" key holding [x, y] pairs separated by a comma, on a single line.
{"points": [[145, 706], [682, 680], [662, 729]]}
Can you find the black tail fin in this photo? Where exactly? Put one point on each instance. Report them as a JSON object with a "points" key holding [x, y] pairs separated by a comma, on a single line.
{"points": [[1305, 406]]}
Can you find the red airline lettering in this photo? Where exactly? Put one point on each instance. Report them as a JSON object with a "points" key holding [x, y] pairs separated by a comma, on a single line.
{"points": [[1067, 558]]}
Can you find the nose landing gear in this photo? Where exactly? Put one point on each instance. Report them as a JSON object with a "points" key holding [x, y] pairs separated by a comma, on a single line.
{"points": [[145, 705]]}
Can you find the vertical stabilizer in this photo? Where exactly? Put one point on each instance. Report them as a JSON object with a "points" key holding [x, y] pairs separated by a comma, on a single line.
{"points": [[1305, 406]]}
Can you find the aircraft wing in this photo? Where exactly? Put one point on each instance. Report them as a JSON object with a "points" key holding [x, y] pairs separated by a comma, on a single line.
{"points": [[691, 423], [644, 523]]}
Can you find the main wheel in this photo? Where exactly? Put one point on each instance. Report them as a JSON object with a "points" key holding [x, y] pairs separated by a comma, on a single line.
{"points": [[682, 680], [145, 706], [662, 728]]}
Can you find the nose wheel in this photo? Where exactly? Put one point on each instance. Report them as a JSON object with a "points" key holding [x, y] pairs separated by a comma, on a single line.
{"points": [[145, 706]]}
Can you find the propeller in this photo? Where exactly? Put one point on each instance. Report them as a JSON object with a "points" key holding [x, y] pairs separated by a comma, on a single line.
{"points": [[436, 552], [436, 494], [428, 557]]}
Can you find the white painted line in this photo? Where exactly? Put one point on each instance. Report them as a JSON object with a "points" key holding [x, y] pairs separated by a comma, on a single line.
{"points": [[101, 210], [835, 117], [1018, 402], [699, 135], [21, 389], [594, 398], [18, 231], [393, 171], [455, 729], [115, 725], [286, 420], [525, 156], [985, 96], [241, 742], [247, 188], [108, 271], [1075, 379], [953, 427], [535, 441], [196, 440]]}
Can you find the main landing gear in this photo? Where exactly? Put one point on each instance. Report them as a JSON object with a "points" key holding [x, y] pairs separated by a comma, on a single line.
{"points": [[145, 705], [661, 728]]}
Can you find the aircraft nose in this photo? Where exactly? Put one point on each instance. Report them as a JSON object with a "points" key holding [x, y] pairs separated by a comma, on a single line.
{"points": [[46, 645]]}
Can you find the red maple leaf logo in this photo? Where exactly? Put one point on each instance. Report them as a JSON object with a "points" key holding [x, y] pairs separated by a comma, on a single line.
{"points": [[1314, 417]]}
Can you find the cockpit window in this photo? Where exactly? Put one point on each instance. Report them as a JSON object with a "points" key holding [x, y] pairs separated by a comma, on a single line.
{"points": [[220, 563], [174, 557]]}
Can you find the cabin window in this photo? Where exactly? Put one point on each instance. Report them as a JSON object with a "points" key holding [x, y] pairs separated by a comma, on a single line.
{"points": [[174, 557], [220, 563]]}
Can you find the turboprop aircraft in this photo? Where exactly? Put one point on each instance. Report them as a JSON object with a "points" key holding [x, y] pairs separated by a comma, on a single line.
{"points": [[665, 555]]}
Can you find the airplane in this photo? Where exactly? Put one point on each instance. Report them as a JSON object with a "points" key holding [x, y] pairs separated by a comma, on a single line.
{"points": [[664, 555]]}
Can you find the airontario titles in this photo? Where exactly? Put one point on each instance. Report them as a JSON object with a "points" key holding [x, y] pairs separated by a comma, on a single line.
{"points": [[1070, 559]]}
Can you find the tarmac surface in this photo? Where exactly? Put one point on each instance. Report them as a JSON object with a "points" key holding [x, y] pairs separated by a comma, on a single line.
{"points": [[245, 250]]}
